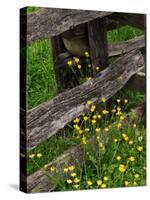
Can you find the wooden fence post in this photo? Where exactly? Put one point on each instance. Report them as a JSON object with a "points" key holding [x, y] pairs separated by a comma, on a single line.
{"points": [[98, 43]]}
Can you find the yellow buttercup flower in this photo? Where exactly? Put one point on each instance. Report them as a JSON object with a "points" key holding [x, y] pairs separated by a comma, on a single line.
{"points": [[140, 148], [103, 99], [93, 121], [76, 120], [132, 158], [126, 183], [122, 168], [87, 129], [99, 182], [66, 169], [79, 67], [86, 54], [122, 118], [105, 178], [73, 174], [118, 158], [94, 117], [125, 100], [99, 116], [97, 130], [126, 138], [119, 125], [105, 112], [118, 100], [106, 129], [76, 186], [76, 59], [85, 118], [71, 168], [131, 142], [84, 140], [93, 108], [69, 62], [135, 183], [113, 110], [103, 185], [69, 181], [89, 102], [134, 125], [97, 68], [80, 131], [115, 140], [45, 166], [76, 180], [39, 155], [32, 155], [136, 176], [89, 183], [76, 127], [52, 169]]}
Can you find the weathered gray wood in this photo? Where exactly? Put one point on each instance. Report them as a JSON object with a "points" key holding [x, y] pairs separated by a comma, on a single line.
{"points": [[124, 47], [38, 181], [136, 20], [52, 21], [97, 36], [48, 118], [137, 83]]}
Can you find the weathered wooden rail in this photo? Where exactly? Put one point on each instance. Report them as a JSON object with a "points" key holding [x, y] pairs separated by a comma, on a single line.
{"points": [[40, 123]]}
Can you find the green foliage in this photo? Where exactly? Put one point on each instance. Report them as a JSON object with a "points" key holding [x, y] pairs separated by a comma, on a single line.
{"points": [[123, 33], [41, 85]]}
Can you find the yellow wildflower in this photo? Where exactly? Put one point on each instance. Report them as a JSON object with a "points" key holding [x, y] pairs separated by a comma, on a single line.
{"points": [[115, 140], [122, 168], [89, 65], [69, 181], [88, 78], [132, 158], [113, 110], [97, 68], [71, 168], [86, 54], [134, 126], [80, 131], [76, 186], [135, 183], [32, 155], [131, 142], [105, 112], [118, 100], [99, 116], [136, 176], [103, 185], [97, 130], [89, 183], [122, 118], [69, 62], [99, 182], [105, 178], [39, 155], [93, 121], [89, 102], [73, 174], [85, 118], [94, 117], [87, 129], [118, 158], [76, 120], [93, 108], [126, 138], [66, 169], [125, 100], [84, 140], [106, 129], [119, 125], [76, 127], [45, 166], [103, 99], [76, 180], [79, 67], [140, 148], [126, 183], [76, 59], [52, 169]]}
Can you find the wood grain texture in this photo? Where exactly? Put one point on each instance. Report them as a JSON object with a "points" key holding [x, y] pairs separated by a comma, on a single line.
{"points": [[97, 35], [49, 22], [39, 182], [48, 118]]}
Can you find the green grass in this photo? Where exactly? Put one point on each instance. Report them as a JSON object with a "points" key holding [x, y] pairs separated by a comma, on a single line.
{"points": [[41, 85], [123, 33]]}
